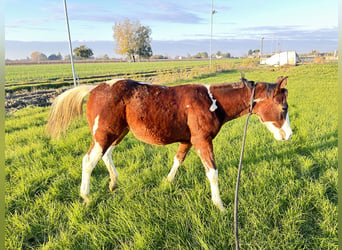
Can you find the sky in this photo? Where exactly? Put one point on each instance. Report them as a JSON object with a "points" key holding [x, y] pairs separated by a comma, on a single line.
{"points": [[174, 20]]}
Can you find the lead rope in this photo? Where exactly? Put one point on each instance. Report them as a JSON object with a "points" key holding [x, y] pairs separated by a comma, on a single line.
{"points": [[236, 228]]}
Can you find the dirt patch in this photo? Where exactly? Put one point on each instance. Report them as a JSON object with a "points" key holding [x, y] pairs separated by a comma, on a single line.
{"points": [[21, 99]]}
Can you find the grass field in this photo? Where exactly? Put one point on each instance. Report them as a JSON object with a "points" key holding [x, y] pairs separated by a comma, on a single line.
{"points": [[288, 190], [57, 75]]}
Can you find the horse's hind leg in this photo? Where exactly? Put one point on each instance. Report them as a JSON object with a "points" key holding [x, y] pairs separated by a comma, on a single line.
{"points": [[89, 162], [101, 144], [107, 158], [179, 158]]}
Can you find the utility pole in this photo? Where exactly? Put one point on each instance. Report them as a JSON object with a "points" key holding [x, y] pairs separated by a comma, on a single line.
{"points": [[70, 46], [211, 28], [262, 46]]}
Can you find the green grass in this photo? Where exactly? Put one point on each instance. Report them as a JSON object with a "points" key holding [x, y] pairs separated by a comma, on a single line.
{"points": [[288, 190]]}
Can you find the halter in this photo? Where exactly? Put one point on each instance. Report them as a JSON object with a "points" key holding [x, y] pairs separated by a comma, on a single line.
{"points": [[251, 86], [251, 105]]}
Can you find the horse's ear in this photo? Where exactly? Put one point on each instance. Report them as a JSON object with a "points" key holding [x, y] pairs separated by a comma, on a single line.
{"points": [[243, 79], [242, 75], [281, 83]]}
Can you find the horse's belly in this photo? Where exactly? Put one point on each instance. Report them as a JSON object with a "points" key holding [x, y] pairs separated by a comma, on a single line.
{"points": [[158, 135]]}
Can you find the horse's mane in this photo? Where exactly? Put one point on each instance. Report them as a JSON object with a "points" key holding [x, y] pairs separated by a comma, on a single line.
{"points": [[269, 87], [231, 85]]}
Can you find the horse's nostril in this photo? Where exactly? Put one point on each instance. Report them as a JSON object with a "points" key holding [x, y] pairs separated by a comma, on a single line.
{"points": [[282, 134]]}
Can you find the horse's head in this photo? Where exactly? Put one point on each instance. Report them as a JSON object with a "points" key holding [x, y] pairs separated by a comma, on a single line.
{"points": [[272, 109]]}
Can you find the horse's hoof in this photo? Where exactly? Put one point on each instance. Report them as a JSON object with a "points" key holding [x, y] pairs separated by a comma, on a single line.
{"points": [[112, 186]]}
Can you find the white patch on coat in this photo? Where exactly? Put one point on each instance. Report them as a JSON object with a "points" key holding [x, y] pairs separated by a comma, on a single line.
{"points": [[258, 100], [171, 175], [213, 106], [145, 83], [107, 158], [212, 175], [96, 124], [113, 81], [88, 164], [187, 106], [282, 134]]}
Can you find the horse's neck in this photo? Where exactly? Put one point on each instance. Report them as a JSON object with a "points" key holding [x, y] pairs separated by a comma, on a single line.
{"points": [[234, 101]]}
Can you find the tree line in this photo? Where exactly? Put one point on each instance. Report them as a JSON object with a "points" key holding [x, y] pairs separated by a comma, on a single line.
{"points": [[81, 52]]}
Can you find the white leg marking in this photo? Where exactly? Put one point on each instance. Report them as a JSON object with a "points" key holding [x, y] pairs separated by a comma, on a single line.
{"points": [[88, 164], [107, 158], [174, 169], [96, 124], [215, 193], [213, 106]]}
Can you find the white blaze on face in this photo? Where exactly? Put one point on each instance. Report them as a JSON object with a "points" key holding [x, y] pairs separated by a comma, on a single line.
{"points": [[282, 134]]}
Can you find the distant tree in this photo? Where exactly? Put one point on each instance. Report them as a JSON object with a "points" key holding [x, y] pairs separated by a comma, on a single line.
{"points": [[55, 57], [123, 35], [159, 57], [204, 55], [83, 52], [142, 39], [226, 55], [38, 56], [105, 57], [198, 55], [42, 57], [132, 39], [254, 52], [35, 56]]}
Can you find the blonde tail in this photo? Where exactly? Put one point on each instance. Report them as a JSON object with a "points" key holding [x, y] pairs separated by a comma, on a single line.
{"points": [[66, 108]]}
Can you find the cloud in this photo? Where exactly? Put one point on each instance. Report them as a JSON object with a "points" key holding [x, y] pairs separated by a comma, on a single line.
{"points": [[175, 12], [292, 32], [174, 17], [27, 23], [162, 11]]}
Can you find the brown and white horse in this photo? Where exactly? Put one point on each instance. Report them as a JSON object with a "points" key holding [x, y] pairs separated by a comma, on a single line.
{"points": [[189, 114]]}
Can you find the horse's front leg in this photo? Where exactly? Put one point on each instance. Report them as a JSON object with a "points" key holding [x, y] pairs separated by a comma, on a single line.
{"points": [[205, 151], [179, 158]]}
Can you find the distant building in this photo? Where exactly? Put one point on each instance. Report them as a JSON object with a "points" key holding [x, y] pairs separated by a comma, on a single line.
{"points": [[288, 57]]}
